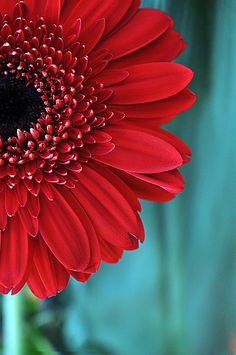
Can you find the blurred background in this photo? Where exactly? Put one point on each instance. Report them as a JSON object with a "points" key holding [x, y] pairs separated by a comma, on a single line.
{"points": [[176, 295]]}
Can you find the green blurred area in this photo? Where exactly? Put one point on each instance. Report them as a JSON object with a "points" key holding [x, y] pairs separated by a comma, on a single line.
{"points": [[176, 295]]}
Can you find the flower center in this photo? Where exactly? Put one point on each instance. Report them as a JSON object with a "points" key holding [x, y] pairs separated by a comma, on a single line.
{"points": [[20, 105]]}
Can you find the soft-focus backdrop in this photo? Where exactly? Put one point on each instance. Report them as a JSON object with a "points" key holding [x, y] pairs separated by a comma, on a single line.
{"points": [[176, 295]]}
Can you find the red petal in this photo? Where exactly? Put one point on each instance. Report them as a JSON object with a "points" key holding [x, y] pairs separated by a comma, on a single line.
{"points": [[21, 193], [145, 190], [151, 82], [171, 181], [182, 148], [147, 122], [35, 283], [53, 275], [63, 232], [111, 77], [119, 184], [7, 7], [30, 223], [112, 216], [24, 280], [144, 27], [79, 276], [47, 190], [159, 133], [101, 136], [11, 201], [92, 36], [168, 107], [3, 213], [13, 253], [164, 49], [111, 10], [4, 290], [48, 9], [101, 149], [110, 253], [140, 152], [129, 14], [52, 11], [98, 67], [141, 228], [95, 256], [33, 205]]}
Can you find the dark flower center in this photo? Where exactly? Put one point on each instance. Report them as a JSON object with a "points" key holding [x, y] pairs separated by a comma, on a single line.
{"points": [[20, 105]]}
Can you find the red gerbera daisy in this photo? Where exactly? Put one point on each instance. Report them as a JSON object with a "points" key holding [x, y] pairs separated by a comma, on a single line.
{"points": [[84, 87]]}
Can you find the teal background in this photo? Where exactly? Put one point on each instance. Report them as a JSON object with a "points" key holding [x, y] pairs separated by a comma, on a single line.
{"points": [[176, 295]]}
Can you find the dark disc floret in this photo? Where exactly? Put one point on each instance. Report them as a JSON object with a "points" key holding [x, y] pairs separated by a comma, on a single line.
{"points": [[20, 105]]}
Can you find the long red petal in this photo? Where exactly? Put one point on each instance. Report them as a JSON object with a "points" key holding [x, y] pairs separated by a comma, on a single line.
{"points": [[35, 283], [13, 253], [145, 26], [30, 223], [48, 9], [168, 107], [112, 216], [111, 77], [63, 232], [11, 201], [3, 213], [144, 189], [53, 275], [140, 152], [110, 253], [92, 36], [118, 183], [164, 49], [111, 10], [151, 82], [95, 256], [7, 7], [171, 181]]}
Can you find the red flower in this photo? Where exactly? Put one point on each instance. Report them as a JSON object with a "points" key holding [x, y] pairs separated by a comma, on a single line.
{"points": [[83, 86]]}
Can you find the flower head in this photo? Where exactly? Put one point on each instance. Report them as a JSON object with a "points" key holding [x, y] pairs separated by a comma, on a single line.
{"points": [[84, 88]]}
